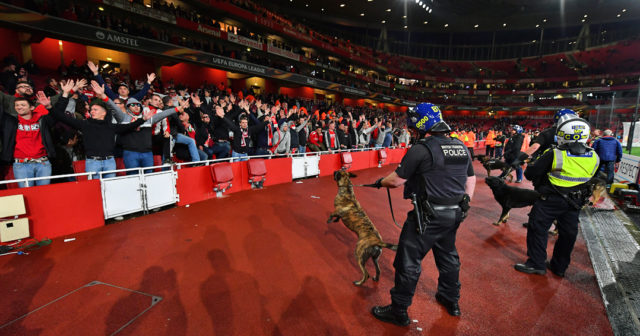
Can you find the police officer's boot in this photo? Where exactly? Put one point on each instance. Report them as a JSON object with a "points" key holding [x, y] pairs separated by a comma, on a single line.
{"points": [[452, 307], [397, 316]]}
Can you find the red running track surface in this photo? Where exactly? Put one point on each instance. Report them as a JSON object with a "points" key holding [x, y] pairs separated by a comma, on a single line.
{"points": [[265, 263]]}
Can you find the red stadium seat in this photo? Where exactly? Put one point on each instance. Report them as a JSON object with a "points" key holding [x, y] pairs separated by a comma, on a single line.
{"points": [[346, 160], [257, 173], [222, 175], [9, 176], [120, 165], [382, 157], [79, 167]]}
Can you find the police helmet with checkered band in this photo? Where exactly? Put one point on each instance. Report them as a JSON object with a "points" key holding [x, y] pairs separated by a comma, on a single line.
{"points": [[426, 117]]}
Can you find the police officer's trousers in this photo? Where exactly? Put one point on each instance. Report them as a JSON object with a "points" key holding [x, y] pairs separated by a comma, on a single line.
{"points": [[540, 219], [412, 248]]}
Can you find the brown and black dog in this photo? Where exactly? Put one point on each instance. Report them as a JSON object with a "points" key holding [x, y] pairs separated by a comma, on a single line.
{"points": [[348, 209]]}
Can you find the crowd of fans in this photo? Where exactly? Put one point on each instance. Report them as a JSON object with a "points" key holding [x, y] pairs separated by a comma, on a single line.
{"points": [[84, 115]]}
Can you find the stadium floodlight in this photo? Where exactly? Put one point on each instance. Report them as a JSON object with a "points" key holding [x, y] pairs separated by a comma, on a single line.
{"points": [[431, 10]]}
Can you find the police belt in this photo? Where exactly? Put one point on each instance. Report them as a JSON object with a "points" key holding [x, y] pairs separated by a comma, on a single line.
{"points": [[445, 207]]}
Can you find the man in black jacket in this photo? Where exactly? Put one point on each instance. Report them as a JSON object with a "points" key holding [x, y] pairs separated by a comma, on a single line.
{"points": [[242, 133], [98, 131], [512, 151], [343, 136]]}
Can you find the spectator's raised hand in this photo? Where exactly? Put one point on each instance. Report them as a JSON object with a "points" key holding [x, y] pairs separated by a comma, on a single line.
{"points": [[43, 99], [98, 89], [67, 87], [147, 114], [80, 84], [150, 78], [93, 68], [196, 100], [184, 104]]}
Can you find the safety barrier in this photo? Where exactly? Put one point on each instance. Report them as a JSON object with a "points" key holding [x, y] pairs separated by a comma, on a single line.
{"points": [[63, 209]]}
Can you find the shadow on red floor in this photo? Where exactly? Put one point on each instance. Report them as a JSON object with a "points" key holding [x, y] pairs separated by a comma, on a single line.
{"points": [[265, 263]]}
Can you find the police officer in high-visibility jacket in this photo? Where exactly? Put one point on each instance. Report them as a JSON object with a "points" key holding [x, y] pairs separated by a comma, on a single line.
{"points": [[560, 175], [437, 175]]}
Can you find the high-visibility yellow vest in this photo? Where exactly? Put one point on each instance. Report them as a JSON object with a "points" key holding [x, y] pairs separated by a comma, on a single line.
{"points": [[570, 170]]}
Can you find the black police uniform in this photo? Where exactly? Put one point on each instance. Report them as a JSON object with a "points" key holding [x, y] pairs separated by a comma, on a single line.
{"points": [[445, 164], [557, 203], [545, 139]]}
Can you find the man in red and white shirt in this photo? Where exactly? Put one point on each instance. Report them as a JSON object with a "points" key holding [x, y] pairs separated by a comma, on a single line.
{"points": [[316, 143], [27, 141]]}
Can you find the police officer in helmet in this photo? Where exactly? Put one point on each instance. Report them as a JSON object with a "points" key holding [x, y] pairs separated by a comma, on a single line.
{"points": [[438, 176], [547, 137], [560, 175]]}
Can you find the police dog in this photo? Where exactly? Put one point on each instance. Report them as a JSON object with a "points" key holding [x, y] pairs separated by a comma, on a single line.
{"points": [[493, 164], [510, 197], [348, 209]]}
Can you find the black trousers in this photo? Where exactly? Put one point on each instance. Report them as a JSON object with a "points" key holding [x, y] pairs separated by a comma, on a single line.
{"points": [[490, 151], [554, 207], [471, 152], [412, 248]]}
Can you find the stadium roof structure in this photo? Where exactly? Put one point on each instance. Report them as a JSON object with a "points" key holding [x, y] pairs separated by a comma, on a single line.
{"points": [[459, 15]]}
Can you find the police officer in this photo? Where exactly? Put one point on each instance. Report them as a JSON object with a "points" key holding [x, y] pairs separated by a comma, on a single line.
{"points": [[512, 152], [437, 174], [560, 176], [546, 138]]}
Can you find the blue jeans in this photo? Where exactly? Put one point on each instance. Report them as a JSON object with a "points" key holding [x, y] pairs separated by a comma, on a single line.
{"points": [[498, 152], [239, 155], [137, 160], [27, 170], [519, 173], [302, 149], [387, 140], [608, 167], [221, 149], [96, 166], [191, 144]]}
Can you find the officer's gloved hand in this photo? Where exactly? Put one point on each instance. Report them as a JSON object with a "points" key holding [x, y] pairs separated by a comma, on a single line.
{"points": [[378, 183]]}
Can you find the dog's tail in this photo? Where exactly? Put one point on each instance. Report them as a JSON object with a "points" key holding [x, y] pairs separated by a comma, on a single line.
{"points": [[389, 246]]}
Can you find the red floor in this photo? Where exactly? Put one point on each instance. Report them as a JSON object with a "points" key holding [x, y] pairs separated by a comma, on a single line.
{"points": [[266, 263]]}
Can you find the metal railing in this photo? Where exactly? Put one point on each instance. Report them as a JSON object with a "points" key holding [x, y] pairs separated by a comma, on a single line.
{"points": [[180, 165]]}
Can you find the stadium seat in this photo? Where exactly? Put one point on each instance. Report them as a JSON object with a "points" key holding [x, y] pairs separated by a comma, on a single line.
{"points": [[9, 176], [79, 167], [382, 157], [346, 160], [120, 165], [222, 175], [257, 173]]}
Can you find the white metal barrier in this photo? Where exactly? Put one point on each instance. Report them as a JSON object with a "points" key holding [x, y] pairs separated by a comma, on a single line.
{"points": [[128, 194], [144, 191]]}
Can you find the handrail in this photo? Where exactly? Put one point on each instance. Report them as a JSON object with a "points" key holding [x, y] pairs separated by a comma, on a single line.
{"points": [[177, 166]]}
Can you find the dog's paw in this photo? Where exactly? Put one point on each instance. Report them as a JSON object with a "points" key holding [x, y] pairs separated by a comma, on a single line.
{"points": [[496, 223], [504, 221], [358, 283], [375, 278]]}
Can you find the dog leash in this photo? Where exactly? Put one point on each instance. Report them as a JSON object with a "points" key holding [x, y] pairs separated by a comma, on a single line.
{"points": [[372, 185]]}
